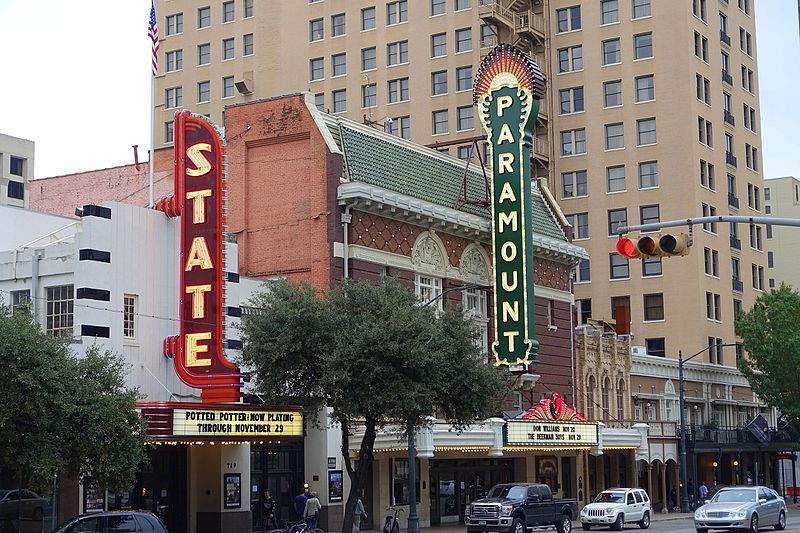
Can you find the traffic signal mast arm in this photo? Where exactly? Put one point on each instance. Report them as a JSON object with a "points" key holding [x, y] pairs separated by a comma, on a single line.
{"points": [[705, 220]]}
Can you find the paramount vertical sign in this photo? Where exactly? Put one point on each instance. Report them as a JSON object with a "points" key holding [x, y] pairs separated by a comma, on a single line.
{"points": [[508, 88], [199, 199]]}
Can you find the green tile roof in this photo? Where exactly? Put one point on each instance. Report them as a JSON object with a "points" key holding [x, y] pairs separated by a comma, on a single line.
{"points": [[384, 161]]}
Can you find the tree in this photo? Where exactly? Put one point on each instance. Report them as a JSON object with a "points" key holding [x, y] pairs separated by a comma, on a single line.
{"points": [[372, 354], [772, 340], [59, 413]]}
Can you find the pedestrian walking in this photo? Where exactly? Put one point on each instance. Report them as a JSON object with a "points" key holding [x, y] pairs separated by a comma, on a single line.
{"points": [[268, 508], [702, 492], [358, 514], [311, 512], [300, 503]]}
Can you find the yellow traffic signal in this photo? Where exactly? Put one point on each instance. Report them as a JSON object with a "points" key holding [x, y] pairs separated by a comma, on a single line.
{"points": [[664, 245]]}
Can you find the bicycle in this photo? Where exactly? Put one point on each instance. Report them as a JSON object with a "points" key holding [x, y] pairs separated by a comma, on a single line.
{"points": [[391, 525], [297, 527]]}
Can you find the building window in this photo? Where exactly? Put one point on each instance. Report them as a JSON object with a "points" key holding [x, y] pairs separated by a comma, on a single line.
{"points": [[428, 289], [20, 300], [573, 142], [645, 88], [438, 7], [615, 179], [649, 214], [16, 190], [228, 48], [617, 218], [643, 46], [129, 315], [570, 59], [203, 92], [580, 224], [317, 67], [248, 8], [316, 30], [204, 17], [615, 136], [339, 64], [204, 54], [175, 24], [621, 400], [758, 277], [571, 100], [584, 271], [465, 118], [654, 306], [703, 90], [247, 42], [701, 47], [464, 40], [169, 132], [620, 267], [699, 9], [707, 178], [604, 397], [709, 211], [399, 468], [369, 95], [641, 8], [651, 266], [368, 18], [60, 307], [656, 347], [340, 101], [396, 12], [747, 80], [439, 45], [609, 11], [228, 12], [568, 19], [620, 302], [590, 398], [439, 83], [227, 87], [464, 78], [646, 131], [705, 132], [397, 53], [711, 262], [648, 175], [475, 310], [174, 60], [463, 4], [440, 122], [319, 101], [770, 260], [584, 310], [574, 184], [611, 52], [713, 311], [612, 93], [173, 97], [401, 126], [398, 90], [337, 25], [488, 35]]}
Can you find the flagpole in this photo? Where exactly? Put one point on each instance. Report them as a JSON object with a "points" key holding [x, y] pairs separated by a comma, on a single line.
{"points": [[152, 135]]}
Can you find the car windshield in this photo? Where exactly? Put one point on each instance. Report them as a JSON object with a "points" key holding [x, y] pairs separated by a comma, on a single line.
{"points": [[508, 491], [65, 525], [610, 497], [734, 496]]}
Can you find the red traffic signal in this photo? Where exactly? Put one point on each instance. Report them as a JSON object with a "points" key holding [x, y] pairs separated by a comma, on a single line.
{"points": [[665, 245]]}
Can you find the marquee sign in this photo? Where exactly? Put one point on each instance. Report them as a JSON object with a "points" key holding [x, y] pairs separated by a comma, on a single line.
{"points": [[551, 423], [236, 423], [508, 88], [199, 198]]}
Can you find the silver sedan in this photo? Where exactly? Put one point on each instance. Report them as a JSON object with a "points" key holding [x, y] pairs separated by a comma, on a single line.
{"points": [[745, 508]]}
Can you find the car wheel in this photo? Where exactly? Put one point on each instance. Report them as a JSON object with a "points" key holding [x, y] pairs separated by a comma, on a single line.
{"points": [[586, 527], [781, 521], [754, 524], [644, 523], [564, 524], [517, 526], [618, 523]]}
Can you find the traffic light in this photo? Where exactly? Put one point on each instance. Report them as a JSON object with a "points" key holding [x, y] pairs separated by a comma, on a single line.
{"points": [[664, 245]]}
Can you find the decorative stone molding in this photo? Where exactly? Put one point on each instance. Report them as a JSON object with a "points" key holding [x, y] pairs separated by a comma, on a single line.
{"points": [[429, 255], [496, 424], [474, 264]]}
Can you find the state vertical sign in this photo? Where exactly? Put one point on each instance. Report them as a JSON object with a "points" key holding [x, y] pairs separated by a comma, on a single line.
{"points": [[508, 89]]}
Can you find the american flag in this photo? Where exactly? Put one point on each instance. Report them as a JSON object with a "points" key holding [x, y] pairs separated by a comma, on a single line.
{"points": [[152, 32]]}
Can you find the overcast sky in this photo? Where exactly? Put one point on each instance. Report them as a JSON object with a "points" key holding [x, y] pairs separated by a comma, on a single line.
{"points": [[76, 80]]}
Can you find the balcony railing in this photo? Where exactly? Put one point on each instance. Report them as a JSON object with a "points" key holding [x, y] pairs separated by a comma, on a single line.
{"points": [[730, 159], [724, 37], [733, 201], [727, 78], [530, 23], [729, 118], [736, 242], [738, 286], [541, 149], [735, 435]]}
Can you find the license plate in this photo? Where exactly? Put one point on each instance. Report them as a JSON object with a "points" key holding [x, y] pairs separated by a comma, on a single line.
{"points": [[481, 522]]}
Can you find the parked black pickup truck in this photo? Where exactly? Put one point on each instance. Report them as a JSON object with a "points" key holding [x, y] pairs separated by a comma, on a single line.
{"points": [[518, 507]]}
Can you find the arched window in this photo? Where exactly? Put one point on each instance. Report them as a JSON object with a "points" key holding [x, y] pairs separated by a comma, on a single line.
{"points": [[590, 398], [621, 399], [605, 399]]}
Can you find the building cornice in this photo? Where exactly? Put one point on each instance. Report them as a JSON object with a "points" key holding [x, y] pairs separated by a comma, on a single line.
{"points": [[660, 367]]}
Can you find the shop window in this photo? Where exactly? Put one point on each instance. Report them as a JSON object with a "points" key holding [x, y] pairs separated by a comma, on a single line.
{"points": [[399, 470]]}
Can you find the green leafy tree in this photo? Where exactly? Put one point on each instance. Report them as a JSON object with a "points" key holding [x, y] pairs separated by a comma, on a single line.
{"points": [[62, 414], [772, 339], [372, 354]]}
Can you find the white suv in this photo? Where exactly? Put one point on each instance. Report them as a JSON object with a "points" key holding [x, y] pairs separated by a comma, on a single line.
{"points": [[615, 507]]}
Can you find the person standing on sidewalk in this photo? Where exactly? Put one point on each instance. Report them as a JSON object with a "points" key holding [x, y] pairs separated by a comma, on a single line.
{"points": [[311, 512], [358, 514], [268, 517], [300, 503]]}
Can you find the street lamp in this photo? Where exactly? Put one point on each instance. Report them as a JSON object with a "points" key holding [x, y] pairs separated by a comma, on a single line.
{"points": [[413, 518], [681, 362]]}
